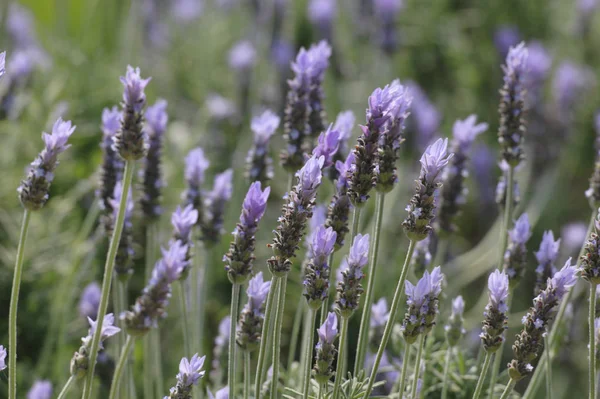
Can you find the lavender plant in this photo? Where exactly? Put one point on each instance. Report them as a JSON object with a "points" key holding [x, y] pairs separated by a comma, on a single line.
{"points": [[259, 165], [325, 350], [546, 257], [344, 123], [190, 372]]}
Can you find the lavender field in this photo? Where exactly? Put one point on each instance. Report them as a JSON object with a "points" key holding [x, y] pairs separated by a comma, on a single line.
{"points": [[325, 199]]}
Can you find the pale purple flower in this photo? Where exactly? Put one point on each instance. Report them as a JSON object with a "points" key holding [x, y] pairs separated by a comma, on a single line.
{"points": [[458, 306], [433, 161], [538, 63], [548, 251], [56, 142], [156, 118], [322, 12], [183, 220], [195, 167], [573, 236], [219, 107], [255, 204], [310, 176], [381, 105], [343, 169], [329, 329], [323, 243], [379, 313], [190, 371], [563, 279], [111, 121], [41, 389], [222, 186], [359, 252], [186, 10], [569, 82], [173, 262], [521, 231], [426, 118], [328, 145], [108, 327], [317, 220], [505, 37], [20, 25], [318, 55], [134, 95], [264, 127], [498, 290], [428, 287], [242, 56], [222, 393], [344, 123], [90, 300], [516, 62], [2, 358], [2, 58], [465, 131], [257, 291], [282, 53]]}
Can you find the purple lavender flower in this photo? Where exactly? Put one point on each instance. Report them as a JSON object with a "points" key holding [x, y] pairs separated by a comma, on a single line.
{"points": [[219, 107], [80, 360], [350, 288], [344, 123], [2, 358], [242, 56], [386, 11], [41, 389], [454, 329], [222, 393], [495, 315], [259, 163], [539, 63], [316, 272], [506, 37], [325, 348], [195, 168], [33, 191], [515, 257], [569, 83], [2, 58], [379, 318], [317, 220], [111, 170], [214, 208], [241, 250], [328, 145], [249, 330], [338, 210], [134, 95], [322, 13], [183, 221], [90, 300], [186, 11], [433, 161], [422, 301], [319, 55], [529, 343], [546, 257], [190, 372], [108, 327], [426, 118], [20, 26], [573, 236]]}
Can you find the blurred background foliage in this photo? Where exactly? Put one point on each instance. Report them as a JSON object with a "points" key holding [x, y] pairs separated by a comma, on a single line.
{"points": [[452, 49]]}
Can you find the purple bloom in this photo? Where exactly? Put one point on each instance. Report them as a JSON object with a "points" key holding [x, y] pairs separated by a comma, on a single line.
{"points": [[172, 263], [40, 389], [322, 12], [183, 220], [195, 166], [222, 393], [186, 11], [2, 57], [569, 82], [257, 291], [115, 201], [108, 328], [344, 123], [548, 251], [344, 168], [521, 232], [323, 243], [327, 147], [222, 186], [538, 63], [516, 63], [426, 117], [111, 121], [190, 371], [359, 252], [329, 330], [264, 126], [319, 59], [422, 301], [317, 220], [156, 118], [505, 37], [56, 142], [90, 300], [349, 287], [433, 161], [573, 236], [134, 95], [430, 285], [563, 279], [255, 204], [242, 56], [465, 131], [379, 314], [310, 176], [498, 290], [458, 306], [2, 358]]}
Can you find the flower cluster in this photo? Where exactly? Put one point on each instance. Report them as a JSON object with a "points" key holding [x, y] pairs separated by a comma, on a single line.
{"points": [[344, 123], [249, 332], [422, 205], [316, 272], [496, 312], [590, 260], [240, 256], [454, 329], [338, 210], [111, 170], [80, 360], [529, 343], [325, 348], [546, 257], [125, 252], [190, 372], [183, 221], [195, 168], [33, 191], [259, 165], [317, 117], [425, 119], [422, 300], [349, 289], [421, 259], [214, 208], [515, 256]]}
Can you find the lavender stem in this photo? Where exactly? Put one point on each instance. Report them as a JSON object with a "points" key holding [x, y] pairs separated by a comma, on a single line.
{"points": [[548, 367], [107, 279], [446, 371], [592, 343], [415, 384], [260, 365], [246, 374], [184, 318], [405, 361], [298, 316], [149, 264], [114, 386], [332, 274], [277, 335], [312, 318], [341, 358], [484, 371], [508, 389], [14, 304], [235, 304], [65, 390], [389, 325]]}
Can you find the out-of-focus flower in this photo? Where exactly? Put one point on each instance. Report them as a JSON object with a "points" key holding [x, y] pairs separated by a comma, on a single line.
{"points": [[90, 300]]}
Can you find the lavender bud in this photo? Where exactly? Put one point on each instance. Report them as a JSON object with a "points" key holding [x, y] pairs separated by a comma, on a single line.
{"points": [[220, 353], [317, 220], [183, 221], [590, 260], [295, 215], [80, 360], [325, 348], [379, 318], [259, 163], [515, 256], [422, 301], [41, 389], [327, 147], [195, 167], [214, 208], [496, 312], [33, 191], [249, 330], [530, 343], [546, 257], [319, 54], [2, 358], [343, 124], [350, 289], [240, 256], [421, 259], [156, 124], [512, 105], [421, 208], [454, 329], [190, 372], [130, 140], [152, 304], [316, 273], [125, 252], [338, 211], [501, 187], [90, 300], [453, 193]]}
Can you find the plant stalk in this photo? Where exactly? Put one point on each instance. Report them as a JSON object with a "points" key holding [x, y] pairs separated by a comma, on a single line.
{"points": [[325, 306], [592, 343], [446, 371], [247, 374], [312, 318], [341, 358], [508, 389], [421, 344], [404, 372], [114, 386], [548, 368], [65, 390], [277, 336], [235, 304], [484, 371], [265, 339]]}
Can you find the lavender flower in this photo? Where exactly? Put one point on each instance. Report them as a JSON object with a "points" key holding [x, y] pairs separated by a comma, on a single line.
{"points": [[319, 54], [512, 105], [183, 221], [259, 163], [322, 13], [242, 56], [111, 169], [590, 260], [219, 107], [327, 147], [316, 272], [350, 288], [2, 58], [344, 123], [506, 37], [249, 332], [568, 85], [90, 300], [386, 12], [195, 167], [529, 343], [151, 305], [338, 210], [214, 208], [190, 372], [41, 389], [496, 312], [125, 252], [325, 348], [515, 257], [426, 118], [546, 257], [454, 329], [501, 187], [379, 318], [33, 191], [539, 63], [2, 358], [421, 259], [186, 11], [422, 205], [422, 301], [295, 214], [156, 124], [80, 360], [317, 220], [573, 236], [240, 256], [220, 353], [453, 193], [222, 393], [130, 140]]}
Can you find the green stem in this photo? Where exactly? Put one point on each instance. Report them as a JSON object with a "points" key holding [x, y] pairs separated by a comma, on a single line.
{"points": [[363, 335], [184, 318], [265, 340], [151, 242], [341, 357], [148, 379], [277, 336], [391, 318], [246, 374], [548, 368], [325, 306], [312, 319], [320, 391], [484, 371], [592, 344], [421, 344], [114, 386], [14, 304], [158, 371], [65, 390], [295, 333], [508, 389], [120, 307], [508, 204], [404, 372], [235, 304], [445, 382], [355, 223], [107, 279]]}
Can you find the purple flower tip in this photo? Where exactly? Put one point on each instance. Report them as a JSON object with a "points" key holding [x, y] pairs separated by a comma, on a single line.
{"points": [[172, 263], [434, 159], [310, 175], [329, 330], [108, 327], [516, 60], [379, 313], [195, 166], [539, 62], [466, 130], [429, 286], [157, 118], [328, 144], [548, 248], [2, 358], [57, 141], [41, 389], [222, 186], [2, 58], [321, 12], [458, 306], [498, 287], [183, 220], [323, 242], [564, 279], [90, 300], [242, 56], [255, 204], [264, 126], [343, 124], [111, 121], [319, 57], [359, 252], [190, 371], [133, 94], [257, 291], [521, 231]]}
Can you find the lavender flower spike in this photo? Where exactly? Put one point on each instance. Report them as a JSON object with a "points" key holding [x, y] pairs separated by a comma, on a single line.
{"points": [[183, 221], [546, 257], [80, 360], [2, 358], [111, 169], [422, 301], [328, 144], [496, 312], [195, 167], [319, 54], [529, 342], [252, 316], [454, 329], [2, 58], [421, 208], [326, 351], [240, 256], [190, 372], [130, 141], [41, 389], [259, 163], [316, 272], [512, 105], [33, 191], [214, 208], [338, 210], [349, 289], [515, 257], [344, 123], [90, 300], [590, 260]]}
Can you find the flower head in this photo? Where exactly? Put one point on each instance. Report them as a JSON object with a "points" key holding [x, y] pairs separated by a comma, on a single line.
{"points": [[258, 289], [2, 58], [263, 126], [310, 176], [516, 61], [564, 279], [108, 327], [521, 232], [466, 130], [255, 204], [344, 123], [90, 300], [111, 121], [329, 330], [183, 220], [344, 168], [41, 389], [458, 306], [498, 290], [321, 12], [195, 166], [156, 118], [133, 94], [172, 263], [323, 242], [319, 59], [327, 147], [222, 393], [222, 186], [433, 160], [548, 251], [242, 56], [359, 251], [190, 371]]}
